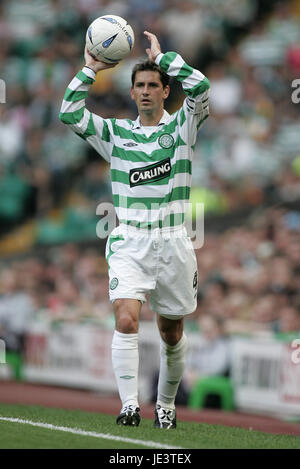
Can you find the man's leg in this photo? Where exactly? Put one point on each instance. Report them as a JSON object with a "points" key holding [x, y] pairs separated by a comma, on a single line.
{"points": [[173, 347], [125, 358]]}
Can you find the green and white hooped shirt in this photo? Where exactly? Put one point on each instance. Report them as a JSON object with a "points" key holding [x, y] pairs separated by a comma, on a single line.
{"points": [[151, 169]]}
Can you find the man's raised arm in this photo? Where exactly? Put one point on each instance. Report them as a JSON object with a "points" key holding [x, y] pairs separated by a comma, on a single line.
{"points": [[77, 117]]}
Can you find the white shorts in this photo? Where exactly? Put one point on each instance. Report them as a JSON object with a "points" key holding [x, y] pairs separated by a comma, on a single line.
{"points": [[161, 263]]}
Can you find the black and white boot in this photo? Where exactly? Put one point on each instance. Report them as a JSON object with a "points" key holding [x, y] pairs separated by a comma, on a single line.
{"points": [[130, 415], [164, 418]]}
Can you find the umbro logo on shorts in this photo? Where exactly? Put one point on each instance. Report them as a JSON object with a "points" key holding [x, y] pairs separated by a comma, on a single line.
{"points": [[195, 281], [151, 173]]}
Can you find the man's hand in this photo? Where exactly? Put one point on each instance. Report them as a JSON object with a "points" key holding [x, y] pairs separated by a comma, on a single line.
{"points": [[154, 49], [95, 64]]}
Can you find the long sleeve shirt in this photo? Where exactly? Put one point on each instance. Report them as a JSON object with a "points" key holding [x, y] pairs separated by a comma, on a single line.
{"points": [[150, 174]]}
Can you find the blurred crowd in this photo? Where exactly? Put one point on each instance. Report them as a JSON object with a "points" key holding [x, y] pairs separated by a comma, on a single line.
{"points": [[250, 275], [67, 283], [247, 156]]}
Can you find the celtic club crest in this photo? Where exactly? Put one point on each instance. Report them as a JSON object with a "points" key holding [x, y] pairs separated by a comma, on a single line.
{"points": [[114, 283], [166, 141]]}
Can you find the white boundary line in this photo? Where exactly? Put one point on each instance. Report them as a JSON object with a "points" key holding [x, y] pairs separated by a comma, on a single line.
{"points": [[78, 431]]}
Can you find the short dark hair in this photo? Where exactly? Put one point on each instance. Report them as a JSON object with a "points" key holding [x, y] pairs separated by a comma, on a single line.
{"points": [[146, 66]]}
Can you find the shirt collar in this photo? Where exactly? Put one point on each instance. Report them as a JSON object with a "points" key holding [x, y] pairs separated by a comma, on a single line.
{"points": [[137, 123]]}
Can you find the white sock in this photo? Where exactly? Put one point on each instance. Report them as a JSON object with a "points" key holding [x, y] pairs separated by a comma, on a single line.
{"points": [[172, 362], [125, 361]]}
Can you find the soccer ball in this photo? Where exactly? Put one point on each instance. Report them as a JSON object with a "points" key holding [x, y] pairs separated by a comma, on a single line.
{"points": [[109, 38]]}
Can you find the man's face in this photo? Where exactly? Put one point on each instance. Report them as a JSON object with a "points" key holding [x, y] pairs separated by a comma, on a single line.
{"points": [[148, 92]]}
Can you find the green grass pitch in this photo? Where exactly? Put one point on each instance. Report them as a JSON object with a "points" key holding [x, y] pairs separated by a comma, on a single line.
{"points": [[188, 435]]}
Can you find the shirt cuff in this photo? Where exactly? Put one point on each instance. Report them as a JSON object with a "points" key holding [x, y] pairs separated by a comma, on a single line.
{"points": [[158, 58], [89, 72]]}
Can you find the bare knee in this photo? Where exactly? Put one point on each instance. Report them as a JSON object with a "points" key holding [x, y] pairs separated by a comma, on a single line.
{"points": [[171, 338], [126, 324], [170, 330], [127, 316]]}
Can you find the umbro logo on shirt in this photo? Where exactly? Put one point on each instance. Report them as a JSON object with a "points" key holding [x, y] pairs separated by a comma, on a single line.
{"points": [[130, 144]]}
